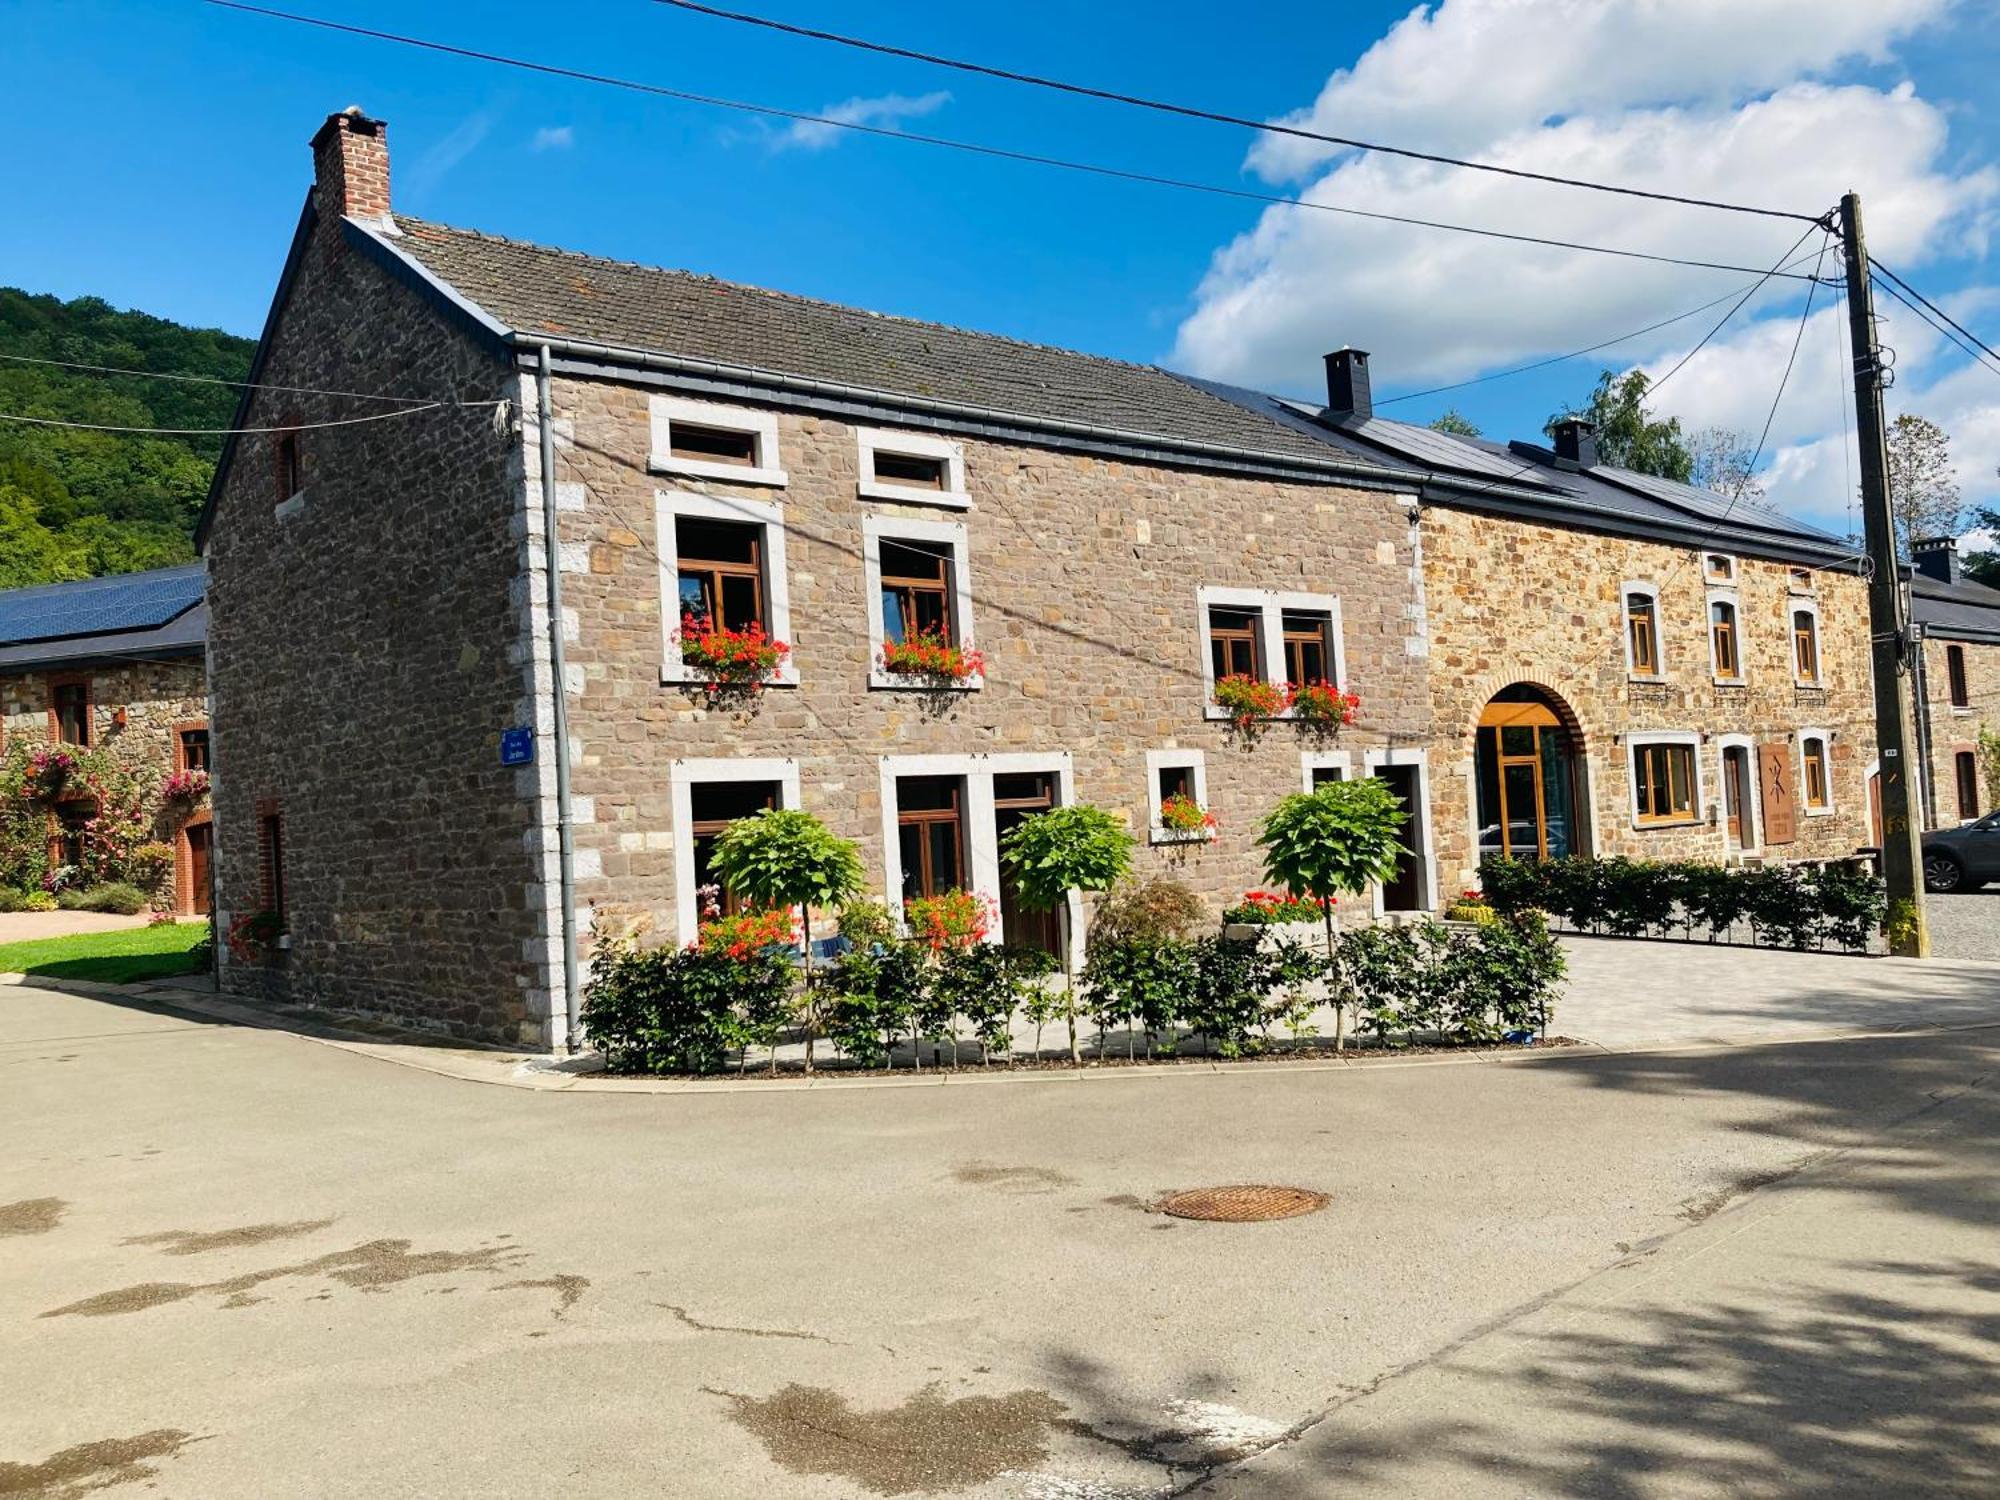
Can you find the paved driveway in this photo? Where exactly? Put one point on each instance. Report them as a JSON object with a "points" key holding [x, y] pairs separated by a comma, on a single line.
{"points": [[19, 926], [242, 1263]]}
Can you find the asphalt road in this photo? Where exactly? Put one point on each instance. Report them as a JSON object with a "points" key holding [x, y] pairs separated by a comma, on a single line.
{"points": [[239, 1263]]}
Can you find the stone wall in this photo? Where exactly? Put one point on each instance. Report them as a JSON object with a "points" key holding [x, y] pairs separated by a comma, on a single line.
{"points": [[367, 654], [1956, 730], [1516, 602], [1084, 574]]}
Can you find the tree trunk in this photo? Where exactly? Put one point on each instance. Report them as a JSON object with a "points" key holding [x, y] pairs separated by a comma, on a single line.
{"points": [[1333, 983]]}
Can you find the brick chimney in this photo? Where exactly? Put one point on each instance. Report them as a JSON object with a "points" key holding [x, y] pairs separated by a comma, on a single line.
{"points": [[351, 166], [1937, 558], [1347, 392], [1576, 442]]}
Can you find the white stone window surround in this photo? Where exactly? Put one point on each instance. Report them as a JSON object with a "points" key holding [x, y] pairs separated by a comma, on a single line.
{"points": [[1323, 760], [947, 533], [682, 777], [1753, 836], [1825, 738], [1724, 579], [1688, 737], [1651, 591], [1427, 883], [982, 843], [1270, 605], [870, 440], [762, 425], [1165, 760], [1722, 594], [1801, 604], [1799, 581], [668, 507]]}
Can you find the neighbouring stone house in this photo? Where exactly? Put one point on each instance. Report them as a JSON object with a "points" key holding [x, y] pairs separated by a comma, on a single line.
{"points": [[1958, 684], [115, 664], [1619, 664], [1109, 537]]}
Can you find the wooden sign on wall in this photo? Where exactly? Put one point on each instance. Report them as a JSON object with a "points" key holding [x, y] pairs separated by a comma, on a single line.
{"points": [[1774, 784]]}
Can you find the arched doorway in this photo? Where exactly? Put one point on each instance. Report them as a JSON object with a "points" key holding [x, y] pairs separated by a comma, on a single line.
{"points": [[1528, 762]]}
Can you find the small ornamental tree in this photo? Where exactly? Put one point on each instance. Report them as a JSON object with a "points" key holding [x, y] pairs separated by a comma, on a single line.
{"points": [[783, 859], [1080, 848], [1333, 842]]}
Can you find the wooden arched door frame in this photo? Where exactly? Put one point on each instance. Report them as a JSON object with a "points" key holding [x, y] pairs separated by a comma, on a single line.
{"points": [[1525, 706]]}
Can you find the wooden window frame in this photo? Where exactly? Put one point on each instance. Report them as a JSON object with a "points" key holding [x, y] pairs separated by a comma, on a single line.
{"points": [[712, 571], [761, 426], [181, 730], [288, 459], [273, 887], [1194, 765], [670, 507], [1296, 640], [957, 815], [1806, 644], [949, 456], [912, 589], [1674, 747], [1268, 607], [1816, 772], [1230, 637], [1725, 574], [1725, 639], [1965, 778], [951, 540], [1645, 660], [1956, 681], [683, 776], [59, 681], [700, 828]]}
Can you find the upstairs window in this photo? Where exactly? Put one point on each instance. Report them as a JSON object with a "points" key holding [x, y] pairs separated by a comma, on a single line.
{"points": [[1805, 647], [1799, 580], [708, 439], [1723, 644], [910, 470], [1308, 648], [194, 749], [721, 572], [917, 591], [271, 864], [1235, 641], [920, 635], [1954, 662], [290, 472], [1719, 567], [69, 712], [911, 466], [1642, 632], [1663, 782]]}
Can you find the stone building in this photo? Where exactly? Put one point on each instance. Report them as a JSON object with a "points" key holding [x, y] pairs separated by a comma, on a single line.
{"points": [[1109, 538], [115, 663], [1619, 664], [1958, 685]]}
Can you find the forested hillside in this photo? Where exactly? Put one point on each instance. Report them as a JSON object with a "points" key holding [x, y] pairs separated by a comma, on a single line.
{"points": [[74, 504]]}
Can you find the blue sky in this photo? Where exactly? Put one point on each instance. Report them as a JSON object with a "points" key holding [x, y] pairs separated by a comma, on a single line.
{"points": [[163, 146]]}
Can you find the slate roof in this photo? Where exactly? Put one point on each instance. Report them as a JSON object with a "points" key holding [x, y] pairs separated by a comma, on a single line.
{"points": [[1964, 609], [159, 613], [535, 290]]}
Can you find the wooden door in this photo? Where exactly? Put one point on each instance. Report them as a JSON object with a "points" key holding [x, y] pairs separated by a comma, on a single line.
{"points": [[1734, 802], [200, 842]]}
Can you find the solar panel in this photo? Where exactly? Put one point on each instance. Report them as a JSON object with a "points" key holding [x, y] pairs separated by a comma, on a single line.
{"points": [[1705, 503], [100, 606], [1444, 451]]}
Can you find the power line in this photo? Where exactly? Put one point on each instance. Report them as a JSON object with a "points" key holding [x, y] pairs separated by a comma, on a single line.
{"points": [[380, 416], [1969, 350], [246, 385], [1556, 359], [1877, 266], [999, 153], [1194, 112]]}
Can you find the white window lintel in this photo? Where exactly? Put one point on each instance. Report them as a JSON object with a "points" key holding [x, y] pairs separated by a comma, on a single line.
{"points": [[664, 411]]}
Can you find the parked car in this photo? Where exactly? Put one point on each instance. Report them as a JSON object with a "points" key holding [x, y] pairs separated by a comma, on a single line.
{"points": [[1963, 858]]}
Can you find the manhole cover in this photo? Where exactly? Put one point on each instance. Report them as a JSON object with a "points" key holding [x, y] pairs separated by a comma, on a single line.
{"points": [[1243, 1204]]}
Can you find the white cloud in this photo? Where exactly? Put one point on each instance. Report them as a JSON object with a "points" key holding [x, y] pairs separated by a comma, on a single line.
{"points": [[553, 138], [1463, 74], [884, 110]]}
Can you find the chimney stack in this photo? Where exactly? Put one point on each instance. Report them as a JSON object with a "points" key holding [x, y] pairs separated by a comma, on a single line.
{"points": [[351, 166], [1576, 442], [1347, 392], [1937, 558]]}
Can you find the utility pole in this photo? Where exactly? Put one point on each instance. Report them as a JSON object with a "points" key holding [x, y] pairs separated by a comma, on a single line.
{"points": [[1889, 637]]}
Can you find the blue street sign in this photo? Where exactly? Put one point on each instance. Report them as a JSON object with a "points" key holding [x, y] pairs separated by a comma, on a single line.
{"points": [[517, 747]]}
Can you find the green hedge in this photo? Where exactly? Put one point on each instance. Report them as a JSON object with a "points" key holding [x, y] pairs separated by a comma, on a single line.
{"points": [[1786, 906]]}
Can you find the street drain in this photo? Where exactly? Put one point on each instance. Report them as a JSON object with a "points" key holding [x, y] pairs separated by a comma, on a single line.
{"points": [[1246, 1204]]}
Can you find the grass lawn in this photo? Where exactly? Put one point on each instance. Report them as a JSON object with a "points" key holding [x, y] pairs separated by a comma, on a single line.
{"points": [[117, 957]]}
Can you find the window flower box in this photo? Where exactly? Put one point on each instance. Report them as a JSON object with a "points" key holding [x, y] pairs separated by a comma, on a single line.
{"points": [[932, 660], [184, 788], [1321, 706], [1246, 699], [1184, 820], [741, 659]]}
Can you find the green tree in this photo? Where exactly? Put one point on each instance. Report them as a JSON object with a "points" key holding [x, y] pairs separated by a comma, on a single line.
{"points": [[1333, 842], [1626, 437], [1923, 490], [1080, 848], [1983, 566], [1722, 463], [1455, 422], [780, 859]]}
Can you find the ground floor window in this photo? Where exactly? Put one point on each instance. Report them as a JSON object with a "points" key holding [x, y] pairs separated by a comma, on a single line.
{"points": [[712, 807], [707, 796], [1965, 766], [271, 864], [1663, 782], [930, 834], [1526, 770], [1411, 887], [69, 844]]}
